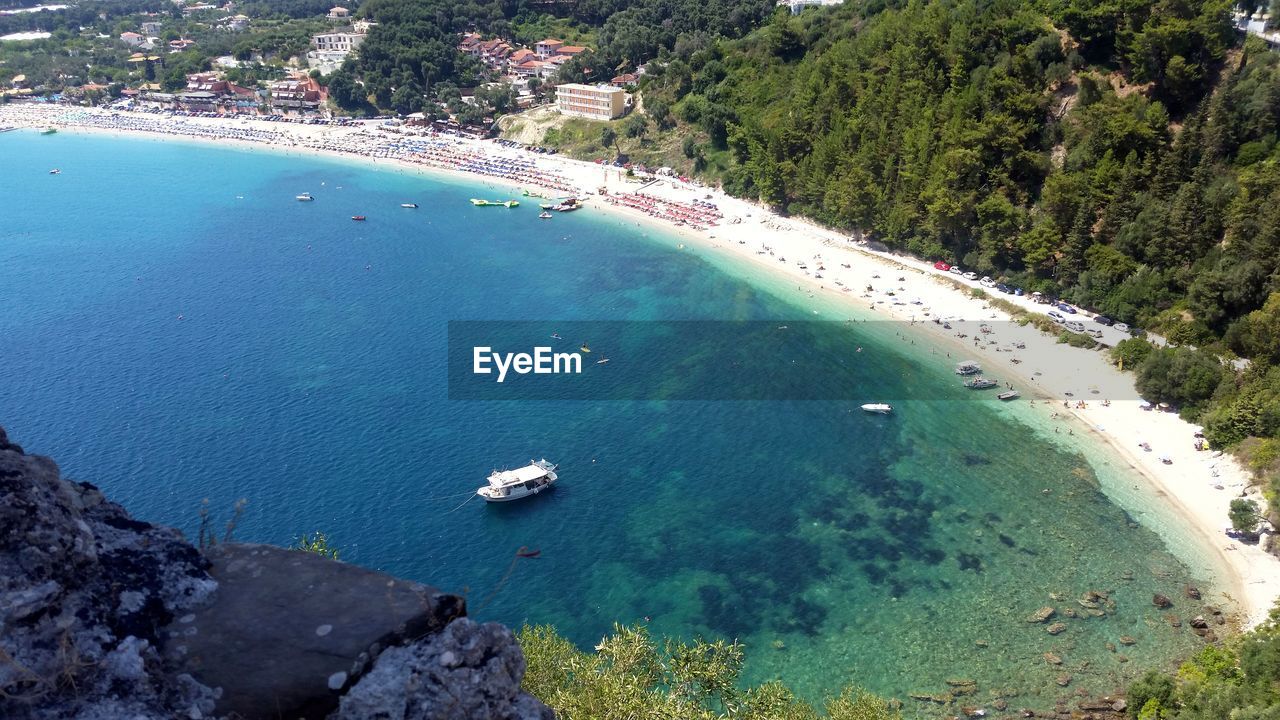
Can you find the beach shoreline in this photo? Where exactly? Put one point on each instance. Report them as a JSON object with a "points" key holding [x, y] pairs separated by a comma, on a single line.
{"points": [[1068, 385]]}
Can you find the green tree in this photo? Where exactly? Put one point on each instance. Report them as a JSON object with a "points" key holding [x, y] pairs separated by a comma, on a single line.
{"points": [[1245, 516], [630, 676], [608, 137]]}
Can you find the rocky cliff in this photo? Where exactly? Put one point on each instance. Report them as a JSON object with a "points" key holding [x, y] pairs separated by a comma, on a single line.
{"points": [[104, 616]]}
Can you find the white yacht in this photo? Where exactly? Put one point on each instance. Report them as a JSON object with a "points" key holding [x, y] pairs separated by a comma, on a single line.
{"points": [[508, 485], [880, 408], [304, 197]]}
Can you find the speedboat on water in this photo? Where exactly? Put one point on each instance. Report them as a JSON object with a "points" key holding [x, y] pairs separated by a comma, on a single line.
{"points": [[409, 205], [879, 408], [508, 485], [358, 218], [304, 197], [55, 171], [544, 215], [968, 367], [980, 383], [1008, 395]]}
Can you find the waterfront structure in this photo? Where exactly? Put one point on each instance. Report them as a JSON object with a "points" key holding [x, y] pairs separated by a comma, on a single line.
{"points": [[298, 94], [596, 102]]}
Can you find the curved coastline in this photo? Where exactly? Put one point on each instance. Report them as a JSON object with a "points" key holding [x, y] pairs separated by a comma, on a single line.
{"points": [[1044, 370]]}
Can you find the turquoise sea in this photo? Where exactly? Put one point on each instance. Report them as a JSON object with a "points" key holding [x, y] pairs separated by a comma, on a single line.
{"points": [[176, 328]]}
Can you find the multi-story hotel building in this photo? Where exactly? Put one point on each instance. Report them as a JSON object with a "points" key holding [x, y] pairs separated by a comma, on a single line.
{"points": [[597, 102]]}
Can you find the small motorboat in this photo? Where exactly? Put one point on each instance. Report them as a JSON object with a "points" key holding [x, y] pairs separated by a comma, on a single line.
{"points": [[508, 485], [878, 408], [49, 131], [980, 383], [585, 348], [304, 197], [409, 205], [55, 171], [1009, 395], [556, 336], [968, 367], [602, 361], [544, 215], [358, 218]]}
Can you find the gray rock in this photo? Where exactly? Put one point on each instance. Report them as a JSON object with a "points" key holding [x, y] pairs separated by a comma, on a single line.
{"points": [[289, 630], [104, 617], [83, 589], [467, 672]]}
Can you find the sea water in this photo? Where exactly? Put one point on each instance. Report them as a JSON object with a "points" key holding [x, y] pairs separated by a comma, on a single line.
{"points": [[176, 328]]}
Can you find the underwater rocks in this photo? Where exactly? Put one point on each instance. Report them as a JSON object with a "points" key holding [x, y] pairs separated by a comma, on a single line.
{"points": [[1042, 614]]}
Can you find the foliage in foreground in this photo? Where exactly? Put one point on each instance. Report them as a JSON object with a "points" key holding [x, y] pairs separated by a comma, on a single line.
{"points": [[1240, 681], [317, 543], [629, 677]]}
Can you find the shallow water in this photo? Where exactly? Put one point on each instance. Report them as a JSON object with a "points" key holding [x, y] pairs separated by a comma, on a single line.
{"points": [[176, 327]]}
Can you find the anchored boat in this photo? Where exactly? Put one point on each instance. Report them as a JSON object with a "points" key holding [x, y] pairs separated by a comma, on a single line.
{"points": [[495, 203], [980, 383], [879, 408], [508, 485], [968, 367]]}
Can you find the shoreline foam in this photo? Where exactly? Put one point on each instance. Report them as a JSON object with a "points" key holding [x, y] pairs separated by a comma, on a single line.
{"points": [[1049, 371]]}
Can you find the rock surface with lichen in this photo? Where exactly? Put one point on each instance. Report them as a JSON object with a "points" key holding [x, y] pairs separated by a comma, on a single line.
{"points": [[103, 616]]}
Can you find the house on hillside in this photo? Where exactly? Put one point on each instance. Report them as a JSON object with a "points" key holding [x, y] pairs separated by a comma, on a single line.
{"points": [[595, 102], [339, 13], [132, 39], [547, 48]]}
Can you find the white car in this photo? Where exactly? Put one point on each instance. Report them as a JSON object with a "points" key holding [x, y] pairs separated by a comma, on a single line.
{"points": [[987, 282], [1074, 326], [956, 269], [1056, 317], [971, 275], [1121, 327]]}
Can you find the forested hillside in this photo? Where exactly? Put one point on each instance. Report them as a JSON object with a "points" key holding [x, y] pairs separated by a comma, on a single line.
{"points": [[414, 47], [1121, 155]]}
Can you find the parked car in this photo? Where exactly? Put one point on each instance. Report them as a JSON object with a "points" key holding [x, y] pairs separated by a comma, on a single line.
{"points": [[1018, 291], [1074, 326], [1122, 327], [1003, 288], [957, 270], [1064, 307], [1104, 320], [1096, 334], [971, 275], [987, 282], [1056, 317], [941, 266]]}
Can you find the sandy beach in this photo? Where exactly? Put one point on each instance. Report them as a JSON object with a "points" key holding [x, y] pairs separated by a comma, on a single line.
{"points": [[1076, 391]]}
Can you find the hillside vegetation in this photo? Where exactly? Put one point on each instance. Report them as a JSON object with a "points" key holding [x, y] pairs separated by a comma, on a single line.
{"points": [[1122, 156]]}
